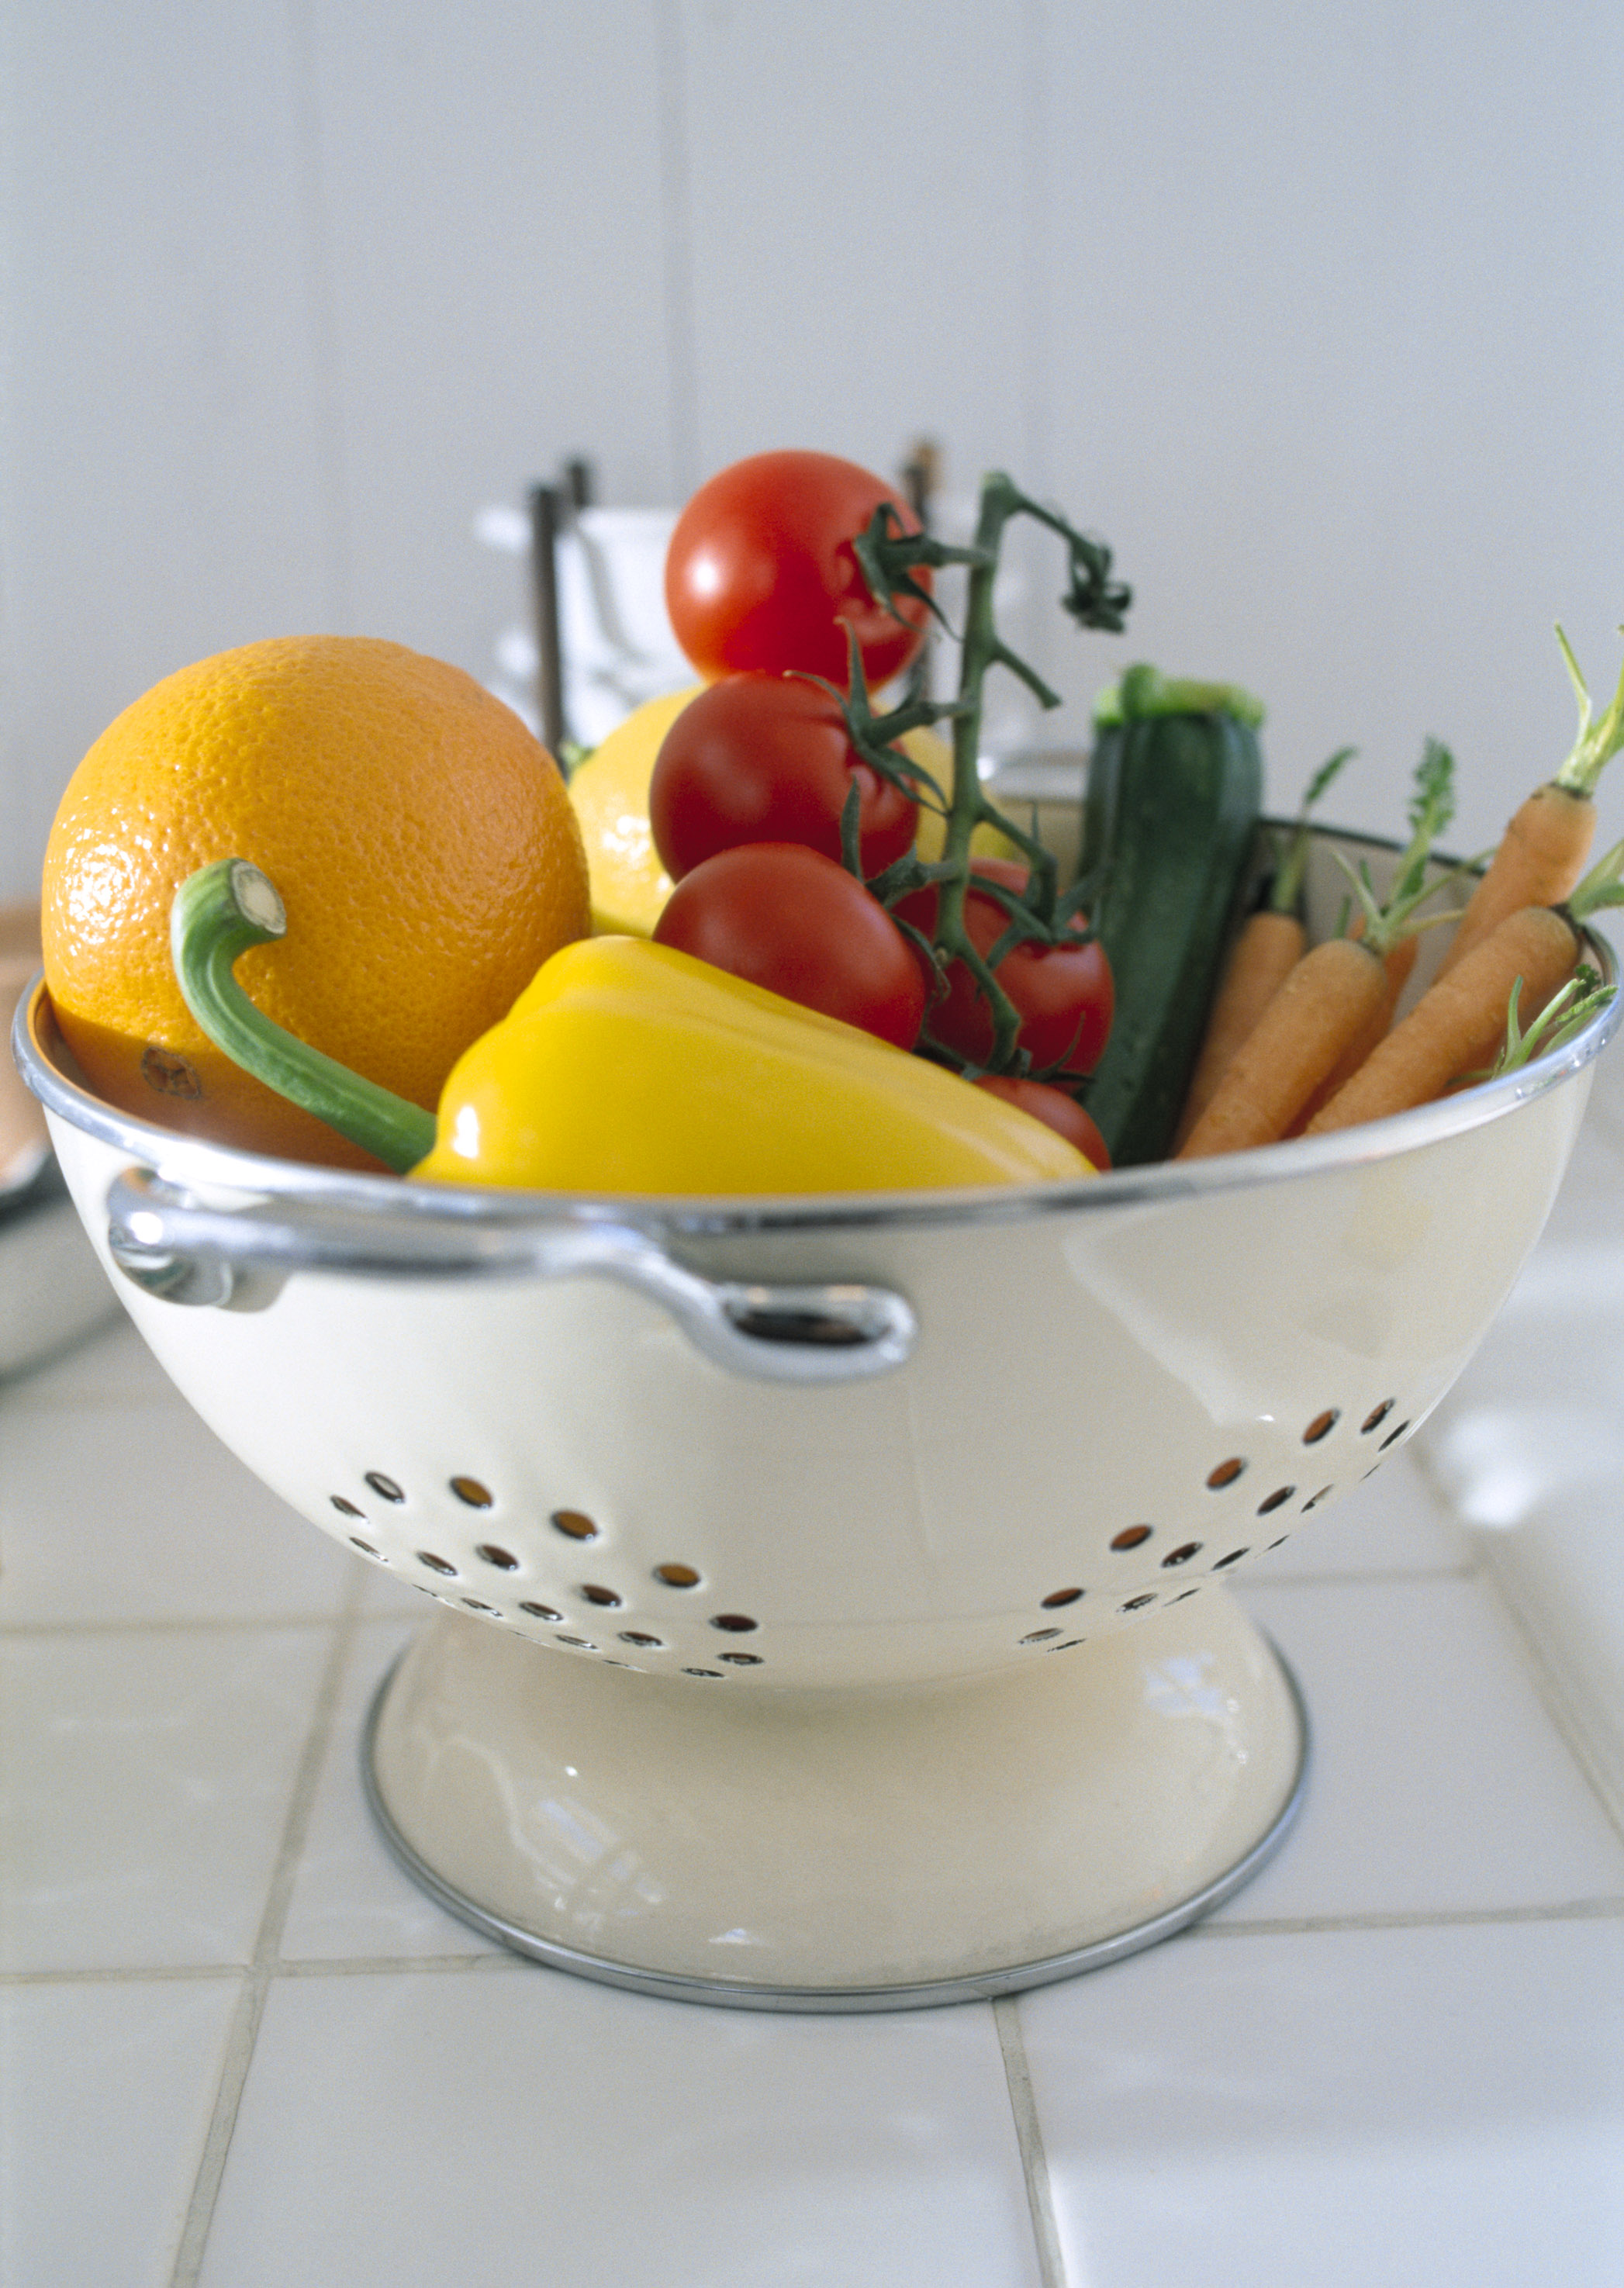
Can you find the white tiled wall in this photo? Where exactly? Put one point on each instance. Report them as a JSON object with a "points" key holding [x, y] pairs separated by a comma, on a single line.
{"points": [[1314, 312]]}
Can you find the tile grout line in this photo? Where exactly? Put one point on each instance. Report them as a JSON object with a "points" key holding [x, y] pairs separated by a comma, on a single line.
{"points": [[251, 2005], [1572, 1911], [502, 1960], [1029, 2138], [1554, 1699], [174, 1624], [1549, 1685]]}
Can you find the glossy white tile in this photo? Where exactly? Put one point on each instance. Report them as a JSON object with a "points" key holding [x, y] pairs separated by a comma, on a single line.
{"points": [[1349, 2110], [516, 2125], [105, 2103], [134, 1512], [349, 1896], [146, 1780], [1437, 1781]]}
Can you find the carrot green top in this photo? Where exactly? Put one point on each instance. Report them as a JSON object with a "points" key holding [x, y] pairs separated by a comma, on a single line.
{"points": [[1596, 742], [1431, 811]]}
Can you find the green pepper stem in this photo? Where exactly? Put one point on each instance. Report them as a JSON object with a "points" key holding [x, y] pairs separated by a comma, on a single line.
{"points": [[218, 914]]}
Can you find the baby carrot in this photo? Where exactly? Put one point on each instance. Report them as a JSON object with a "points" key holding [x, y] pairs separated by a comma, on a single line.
{"points": [[1460, 1021], [1330, 1002], [1269, 947], [1542, 852], [1400, 960]]}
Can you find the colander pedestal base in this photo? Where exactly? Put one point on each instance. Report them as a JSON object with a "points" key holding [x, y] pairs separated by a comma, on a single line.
{"points": [[843, 1849]]}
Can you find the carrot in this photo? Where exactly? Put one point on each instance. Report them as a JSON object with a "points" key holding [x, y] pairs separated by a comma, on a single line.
{"points": [[1461, 1021], [1400, 962], [1268, 949], [1330, 1001], [1548, 839], [1322, 1008]]}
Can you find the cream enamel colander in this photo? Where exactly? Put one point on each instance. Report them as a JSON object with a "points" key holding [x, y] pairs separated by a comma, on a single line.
{"points": [[833, 1605]]}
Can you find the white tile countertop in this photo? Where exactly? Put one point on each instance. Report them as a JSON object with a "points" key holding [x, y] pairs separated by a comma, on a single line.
{"points": [[241, 2050]]}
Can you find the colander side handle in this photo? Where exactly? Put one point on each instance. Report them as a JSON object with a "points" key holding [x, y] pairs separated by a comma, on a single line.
{"points": [[174, 1245]]}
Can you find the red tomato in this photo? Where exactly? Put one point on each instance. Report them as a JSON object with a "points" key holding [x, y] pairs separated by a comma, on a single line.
{"points": [[1065, 993], [1054, 1108], [761, 571], [765, 759], [788, 918]]}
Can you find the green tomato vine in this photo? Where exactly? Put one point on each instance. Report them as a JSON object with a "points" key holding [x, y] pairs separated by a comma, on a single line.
{"points": [[1041, 913]]}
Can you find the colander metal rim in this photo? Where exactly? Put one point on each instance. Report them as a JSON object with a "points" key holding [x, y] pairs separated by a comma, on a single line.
{"points": [[42, 1059]]}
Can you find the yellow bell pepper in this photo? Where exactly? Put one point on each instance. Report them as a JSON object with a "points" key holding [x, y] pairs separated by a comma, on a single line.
{"points": [[626, 1067], [629, 1067]]}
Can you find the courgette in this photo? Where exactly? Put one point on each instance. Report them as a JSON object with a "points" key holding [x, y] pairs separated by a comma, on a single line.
{"points": [[1169, 827]]}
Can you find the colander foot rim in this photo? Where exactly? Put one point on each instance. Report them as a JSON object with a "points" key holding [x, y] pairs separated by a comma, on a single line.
{"points": [[738, 1994]]}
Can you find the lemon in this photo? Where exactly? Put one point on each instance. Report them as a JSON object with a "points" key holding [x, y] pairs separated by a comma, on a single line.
{"points": [[610, 792]]}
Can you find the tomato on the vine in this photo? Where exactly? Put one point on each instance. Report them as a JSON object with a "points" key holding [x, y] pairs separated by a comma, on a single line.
{"points": [[1064, 993], [761, 572], [790, 919], [1055, 1108], [763, 757]]}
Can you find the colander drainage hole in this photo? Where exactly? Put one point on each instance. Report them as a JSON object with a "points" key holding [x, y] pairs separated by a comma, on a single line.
{"points": [[1233, 1557], [385, 1487], [475, 1605], [1061, 1597], [345, 1508], [1182, 1555], [1280, 1544], [581, 1641], [1280, 1495], [1322, 1425], [741, 1660], [1314, 1500], [578, 1527], [1131, 1537], [1137, 1604], [597, 1595], [1070, 1645], [677, 1577], [1393, 1436], [1183, 1594], [641, 1637], [542, 1612], [504, 1560], [470, 1490], [1041, 1636], [435, 1564], [1376, 1417], [705, 1672], [366, 1547], [738, 1625], [1226, 1473]]}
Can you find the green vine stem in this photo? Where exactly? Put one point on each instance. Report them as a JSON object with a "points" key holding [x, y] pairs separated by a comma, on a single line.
{"points": [[890, 557], [216, 914]]}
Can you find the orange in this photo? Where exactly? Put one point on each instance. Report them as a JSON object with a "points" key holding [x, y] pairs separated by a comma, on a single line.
{"points": [[421, 840]]}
